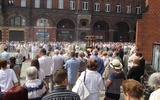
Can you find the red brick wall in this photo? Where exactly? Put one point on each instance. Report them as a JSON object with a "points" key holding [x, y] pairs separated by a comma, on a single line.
{"points": [[148, 30]]}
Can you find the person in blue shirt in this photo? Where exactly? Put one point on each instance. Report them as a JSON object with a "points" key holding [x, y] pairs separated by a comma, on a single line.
{"points": [[100, 68], [5, 54], [72, 66]]}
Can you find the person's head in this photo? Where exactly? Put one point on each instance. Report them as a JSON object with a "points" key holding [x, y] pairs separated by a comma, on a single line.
{"points": [[16, 93], [139, 54], [61, 52], [42, 52], [60, 77], [133, 90], [71, 54], [115, 54], [56, 52], [48, 53], [104, 53], [136, 60], [32, 73], [92, 64], [81, 54], [136, 50], [35, 63], [100, 53], [126, 52], [154, 80], [116, 64], [5, 48], [12, 61], [18, 50], [95, 52], [3, 63], [110, 53]]}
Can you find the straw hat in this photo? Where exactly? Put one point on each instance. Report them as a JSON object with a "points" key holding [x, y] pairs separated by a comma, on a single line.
{"points": [[116, 64]]}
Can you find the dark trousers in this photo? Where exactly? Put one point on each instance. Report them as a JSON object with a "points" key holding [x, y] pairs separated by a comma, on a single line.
{"points": [[112, 96]]}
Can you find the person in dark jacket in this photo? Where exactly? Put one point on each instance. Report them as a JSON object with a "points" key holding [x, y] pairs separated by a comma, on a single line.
{"points": [[60, 92], [135, 72]]}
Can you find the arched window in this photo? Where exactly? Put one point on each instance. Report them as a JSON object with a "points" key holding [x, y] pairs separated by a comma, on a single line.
{"points": [[17, 21]]}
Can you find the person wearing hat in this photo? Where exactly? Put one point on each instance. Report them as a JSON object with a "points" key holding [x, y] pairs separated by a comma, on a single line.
{"points": [[114, 81]]}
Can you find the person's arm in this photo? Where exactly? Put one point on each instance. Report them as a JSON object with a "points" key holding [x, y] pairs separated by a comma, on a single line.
{"points": [[107, 83], [46, 86]]}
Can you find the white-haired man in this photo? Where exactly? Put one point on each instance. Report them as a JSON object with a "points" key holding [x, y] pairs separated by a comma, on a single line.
{"points": [[57, 61], [100, 68]]}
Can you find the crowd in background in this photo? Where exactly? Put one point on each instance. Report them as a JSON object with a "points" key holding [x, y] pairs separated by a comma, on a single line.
{"points": [[57, 67]]}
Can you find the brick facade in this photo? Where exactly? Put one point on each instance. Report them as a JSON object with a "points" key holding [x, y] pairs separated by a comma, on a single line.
{"points": [[106, 26], [148, 30]]}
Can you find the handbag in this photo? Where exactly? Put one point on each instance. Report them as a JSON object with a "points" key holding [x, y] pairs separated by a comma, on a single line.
{"points": [[81, 89]]}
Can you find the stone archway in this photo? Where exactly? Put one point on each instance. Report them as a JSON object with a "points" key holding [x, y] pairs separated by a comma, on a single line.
{"points": [[101, 30], [65, 30], [121, 32]]}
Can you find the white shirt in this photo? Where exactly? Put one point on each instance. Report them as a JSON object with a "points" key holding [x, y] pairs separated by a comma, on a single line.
{"points": [[93, 82], [155, 95], [7, 77], [41, 74], [45, 64], [57, 62], [36, 88]]}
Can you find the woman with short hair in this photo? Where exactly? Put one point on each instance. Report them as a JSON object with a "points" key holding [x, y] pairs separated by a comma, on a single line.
{"points": [[114, 80], [135, 72], [93, 80], [133, 90], [36, 87], [41, 74], [15, 67], [154, 81], [16, 93], [19, 58]]}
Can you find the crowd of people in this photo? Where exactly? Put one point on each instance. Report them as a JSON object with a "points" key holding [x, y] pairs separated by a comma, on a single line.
{"points": [[58, 67]]}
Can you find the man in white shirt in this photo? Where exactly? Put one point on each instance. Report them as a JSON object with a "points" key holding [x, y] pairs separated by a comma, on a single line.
{"points": [[8, 77], [45, 64], [57, 61]]}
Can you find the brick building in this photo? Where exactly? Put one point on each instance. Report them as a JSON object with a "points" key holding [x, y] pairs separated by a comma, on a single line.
{"points": [[148, 31], [70, 20]]}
